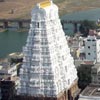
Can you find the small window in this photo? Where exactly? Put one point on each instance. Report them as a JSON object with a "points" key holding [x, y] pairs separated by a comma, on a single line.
{"points": [[94, 45], [93, 40], [68, 81], [89, 47], [38, 24], [66, 68], [88, 40]]}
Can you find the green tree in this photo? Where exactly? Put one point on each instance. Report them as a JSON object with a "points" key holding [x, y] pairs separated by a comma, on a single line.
{"points": [[84, 74], [86, 25]]}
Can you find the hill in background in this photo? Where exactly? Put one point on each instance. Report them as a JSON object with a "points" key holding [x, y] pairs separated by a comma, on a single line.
{"points": [[22, 8]]}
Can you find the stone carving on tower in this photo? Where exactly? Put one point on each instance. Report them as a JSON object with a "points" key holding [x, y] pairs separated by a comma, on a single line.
{"points": [[48, 68]]}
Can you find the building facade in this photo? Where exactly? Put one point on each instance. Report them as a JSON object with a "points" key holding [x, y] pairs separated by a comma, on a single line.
{"points": [[14, 69], [92, 48], [48, 69]]}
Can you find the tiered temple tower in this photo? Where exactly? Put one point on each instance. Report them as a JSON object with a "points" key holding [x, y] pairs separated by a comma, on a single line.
{"points": [[48, 69]]}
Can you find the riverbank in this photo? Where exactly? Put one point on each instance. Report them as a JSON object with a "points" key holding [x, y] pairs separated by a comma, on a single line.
{"points": [[69, 6], [20, 8], [14, 30], [3, 30]]}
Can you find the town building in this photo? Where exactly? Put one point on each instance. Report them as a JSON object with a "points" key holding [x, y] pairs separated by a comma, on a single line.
{"points": [[89, 50], [3, 73], [14, 70], [48, 70], [4, 64], [92, 48], [15, 60], [7, 90]]}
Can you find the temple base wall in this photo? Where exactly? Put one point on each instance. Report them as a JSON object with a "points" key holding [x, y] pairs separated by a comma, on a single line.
{"points": [[70, 94]]}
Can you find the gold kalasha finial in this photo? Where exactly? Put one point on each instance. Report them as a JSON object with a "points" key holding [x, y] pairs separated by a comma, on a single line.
{"points": [[45, 3]]}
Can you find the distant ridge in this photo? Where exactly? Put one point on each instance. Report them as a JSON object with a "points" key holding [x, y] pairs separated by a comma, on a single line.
{"points": [[22, 10]]}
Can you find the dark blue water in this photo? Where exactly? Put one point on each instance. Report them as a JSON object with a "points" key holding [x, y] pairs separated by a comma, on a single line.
{"points": [[92, 15], [13, 41], [89, 14]]}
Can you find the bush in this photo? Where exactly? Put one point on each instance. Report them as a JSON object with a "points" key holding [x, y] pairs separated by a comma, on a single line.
{"points": [[85, 26]]}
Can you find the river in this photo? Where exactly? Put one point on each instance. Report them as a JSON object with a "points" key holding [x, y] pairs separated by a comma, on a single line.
{"points": [[13, 41]]}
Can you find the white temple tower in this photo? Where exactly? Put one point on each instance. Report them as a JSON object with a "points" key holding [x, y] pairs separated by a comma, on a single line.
{"points": [[48, 69]]}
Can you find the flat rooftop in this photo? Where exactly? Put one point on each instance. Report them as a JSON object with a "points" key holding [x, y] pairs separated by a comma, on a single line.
{"points": [[91, 90]]}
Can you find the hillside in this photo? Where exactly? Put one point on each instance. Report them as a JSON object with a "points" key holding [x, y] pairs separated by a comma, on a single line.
{"points": [[22, 8]]}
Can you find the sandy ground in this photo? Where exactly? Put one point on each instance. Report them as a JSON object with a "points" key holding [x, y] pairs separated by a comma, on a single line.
{"points": [[22, 8]]}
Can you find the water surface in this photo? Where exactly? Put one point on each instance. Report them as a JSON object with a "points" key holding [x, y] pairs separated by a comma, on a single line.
{"points": [[13, 41]]}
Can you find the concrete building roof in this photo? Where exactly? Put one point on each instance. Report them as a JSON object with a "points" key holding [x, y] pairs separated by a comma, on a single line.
{"points": [[91, 90]]}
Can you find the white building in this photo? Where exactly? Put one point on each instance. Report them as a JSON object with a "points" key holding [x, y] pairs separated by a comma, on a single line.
{"points": [[3, 72], [13, 70], [92, 48], [48, 68]]}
